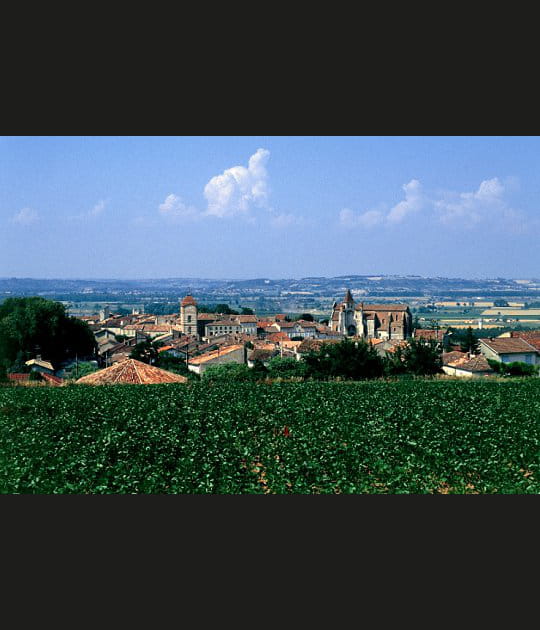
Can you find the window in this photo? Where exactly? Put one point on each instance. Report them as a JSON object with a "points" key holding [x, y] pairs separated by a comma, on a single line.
{"points": [[528, 358], [189, 318]]}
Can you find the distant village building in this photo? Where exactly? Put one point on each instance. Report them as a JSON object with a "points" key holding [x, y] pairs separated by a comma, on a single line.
{"points": [[509, 350], [39, 365], [188, 315], [228, 354], [380, 321]]}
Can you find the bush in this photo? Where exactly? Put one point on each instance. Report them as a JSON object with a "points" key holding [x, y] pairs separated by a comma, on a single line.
{"points": [[516, 368], [230, 372], [285, 367]]}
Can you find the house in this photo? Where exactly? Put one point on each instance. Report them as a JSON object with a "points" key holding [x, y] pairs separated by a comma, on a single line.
{"points": [[530, 336], [39, 365], [466, 366], [261, 354], [383, 321], [131, 372], [509, 349], [228, 354]]}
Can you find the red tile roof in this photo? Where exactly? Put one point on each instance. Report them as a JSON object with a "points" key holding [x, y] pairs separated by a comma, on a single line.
{"points": [[508, 345], [214, 354], [189, 300], [131, 372]]}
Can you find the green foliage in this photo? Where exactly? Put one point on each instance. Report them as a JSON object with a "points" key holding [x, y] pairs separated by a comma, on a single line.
{"points": [[469, 342], [421, 357], [347, 359], [516, 368], [33, 325], [35, 376], [246, 311], [286, 367], [307, 438], [308, 317], [3, 373], [146, 351], [82, 368], [228, 373]]}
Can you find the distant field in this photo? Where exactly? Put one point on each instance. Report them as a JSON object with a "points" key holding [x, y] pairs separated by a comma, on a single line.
{"points": [[309, 438]]}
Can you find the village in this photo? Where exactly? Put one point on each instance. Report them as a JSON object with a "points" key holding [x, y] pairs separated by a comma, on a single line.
{"points": [[202, 340]]}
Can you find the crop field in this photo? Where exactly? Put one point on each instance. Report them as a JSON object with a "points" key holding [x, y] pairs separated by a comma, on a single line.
{"points": [[285, 438]]}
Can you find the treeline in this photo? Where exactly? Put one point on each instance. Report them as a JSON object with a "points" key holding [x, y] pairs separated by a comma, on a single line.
{"points": [[348, 360]]}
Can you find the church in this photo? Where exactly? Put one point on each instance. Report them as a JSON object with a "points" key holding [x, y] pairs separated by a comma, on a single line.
{"points": [[371, 321]]}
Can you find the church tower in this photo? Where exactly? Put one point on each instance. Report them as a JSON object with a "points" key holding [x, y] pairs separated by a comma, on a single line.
{"points": [[343, 319], [188, 315]]}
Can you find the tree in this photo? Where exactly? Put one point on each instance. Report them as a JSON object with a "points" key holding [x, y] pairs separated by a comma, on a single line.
{"points": [[347, 359], [230, 372], [470, 342], [285, 367], [146, 351], [422, 357], [308, 317], [246, 311], [34, 325]]}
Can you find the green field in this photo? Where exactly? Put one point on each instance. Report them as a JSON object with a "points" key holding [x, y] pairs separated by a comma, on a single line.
{"points": [[368, 437]]}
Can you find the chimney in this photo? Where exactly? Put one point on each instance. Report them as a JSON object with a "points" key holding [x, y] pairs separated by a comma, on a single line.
{"points": [[38, 357]]}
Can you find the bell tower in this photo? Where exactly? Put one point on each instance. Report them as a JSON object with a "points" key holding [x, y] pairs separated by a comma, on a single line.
{"points": [[188, 315]]}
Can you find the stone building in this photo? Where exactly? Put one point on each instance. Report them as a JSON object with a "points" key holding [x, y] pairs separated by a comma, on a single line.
{"points": [[188, 315], [371, 321]]}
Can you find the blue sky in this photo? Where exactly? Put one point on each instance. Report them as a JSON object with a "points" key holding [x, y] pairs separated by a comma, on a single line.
{"points": [[268, 206]]}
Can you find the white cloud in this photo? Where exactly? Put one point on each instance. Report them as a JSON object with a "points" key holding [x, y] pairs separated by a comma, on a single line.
{"points": [[413, 202], [175, 209], [470, 208], [238, 189], [26, 216], [98, 208], [486, 205]]}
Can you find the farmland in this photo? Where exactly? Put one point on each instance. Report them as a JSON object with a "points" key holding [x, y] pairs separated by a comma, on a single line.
{"points": [[416, 436]]}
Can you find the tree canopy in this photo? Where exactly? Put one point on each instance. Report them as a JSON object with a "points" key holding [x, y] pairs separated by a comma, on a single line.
{"points": [[34, 325]]}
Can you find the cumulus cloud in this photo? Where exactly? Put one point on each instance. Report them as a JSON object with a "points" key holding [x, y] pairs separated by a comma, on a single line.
{"points": [[238, 189], [470, 208], [488, 204], [175, 209], [413, 202], [26, 216]]}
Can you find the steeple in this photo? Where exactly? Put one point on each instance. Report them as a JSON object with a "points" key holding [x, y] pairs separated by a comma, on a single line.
{"points": [[348, 297]]}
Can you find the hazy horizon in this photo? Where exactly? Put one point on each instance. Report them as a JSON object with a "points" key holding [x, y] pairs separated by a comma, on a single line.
{"points": [[234, 208]]}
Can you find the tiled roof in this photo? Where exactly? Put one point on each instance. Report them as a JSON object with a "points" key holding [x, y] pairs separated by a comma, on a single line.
{"points": [[53, 380], [278, 336], [314, 345], [306, 324], [532, 337], [214, 354], [188, 300], [207, 316], [383, 307], [19, 377], [508, 345], [451, 357], [131, 372], [474, 364]]}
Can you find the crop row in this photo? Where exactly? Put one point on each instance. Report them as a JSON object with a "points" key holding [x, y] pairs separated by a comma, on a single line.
{"points": [[369, 437]]}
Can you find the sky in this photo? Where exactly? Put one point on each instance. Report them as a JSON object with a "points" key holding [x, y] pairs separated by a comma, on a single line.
{"points": [[269, 207]]}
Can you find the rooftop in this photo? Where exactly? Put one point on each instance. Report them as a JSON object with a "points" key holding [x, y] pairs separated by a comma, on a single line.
{"points": [[131, 372]]}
